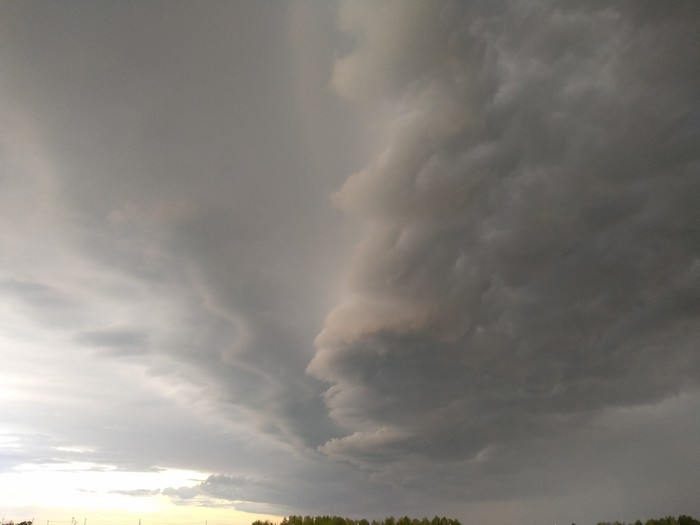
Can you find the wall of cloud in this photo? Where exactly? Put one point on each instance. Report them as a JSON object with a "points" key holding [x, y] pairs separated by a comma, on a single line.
{"points": [[529, 256]]}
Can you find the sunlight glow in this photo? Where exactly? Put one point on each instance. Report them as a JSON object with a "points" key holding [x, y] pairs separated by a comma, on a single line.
{"points": [[81, 492], [89, 486]]}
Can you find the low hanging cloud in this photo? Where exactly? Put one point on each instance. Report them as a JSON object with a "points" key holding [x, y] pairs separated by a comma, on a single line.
{"points": [[530, 257], [514, 337]]}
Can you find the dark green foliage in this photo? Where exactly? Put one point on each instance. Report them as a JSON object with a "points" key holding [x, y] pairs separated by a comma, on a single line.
{"points": [[437, 520], [337, 520], [668, 520]]}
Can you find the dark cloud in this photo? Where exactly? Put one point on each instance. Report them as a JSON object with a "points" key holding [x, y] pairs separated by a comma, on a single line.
{"points": [[531, 255], [513, 335], [329, 488]]}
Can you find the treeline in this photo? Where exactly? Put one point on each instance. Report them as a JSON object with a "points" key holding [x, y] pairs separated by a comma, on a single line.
{"points": [[337, 520], [668, 520]]}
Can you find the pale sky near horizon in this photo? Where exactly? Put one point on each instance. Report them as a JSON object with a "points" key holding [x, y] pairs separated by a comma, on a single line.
{"points": [[361, 258]]}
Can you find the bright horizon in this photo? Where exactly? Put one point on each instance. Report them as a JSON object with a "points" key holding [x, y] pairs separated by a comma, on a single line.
{"points": [[62, 500]]}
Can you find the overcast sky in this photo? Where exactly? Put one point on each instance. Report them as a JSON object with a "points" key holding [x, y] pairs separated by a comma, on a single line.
{"points": [[366, 258]]}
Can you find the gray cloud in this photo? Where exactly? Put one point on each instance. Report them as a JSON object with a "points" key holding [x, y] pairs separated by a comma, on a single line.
{"points": [[327, 487], [118, 340], [164, 186], [530, 258], [514, 331], [137, 492]]}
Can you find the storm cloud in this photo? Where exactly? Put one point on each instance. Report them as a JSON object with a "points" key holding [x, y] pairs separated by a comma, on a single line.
{"points": [[530, 258], [359, 258]]}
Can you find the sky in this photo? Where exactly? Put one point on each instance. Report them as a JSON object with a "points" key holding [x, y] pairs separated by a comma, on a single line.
{"points": [[361, 258]]}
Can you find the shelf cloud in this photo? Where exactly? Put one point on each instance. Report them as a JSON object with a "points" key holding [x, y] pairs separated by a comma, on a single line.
{"points": [[359, 258]]}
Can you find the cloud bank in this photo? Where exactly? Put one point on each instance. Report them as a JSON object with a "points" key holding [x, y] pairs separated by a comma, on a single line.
{"points": [[530, 258]]}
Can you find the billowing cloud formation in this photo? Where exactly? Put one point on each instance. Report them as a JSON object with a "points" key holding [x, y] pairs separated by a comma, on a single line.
{"points": [[530, 259], [495, 317]]}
